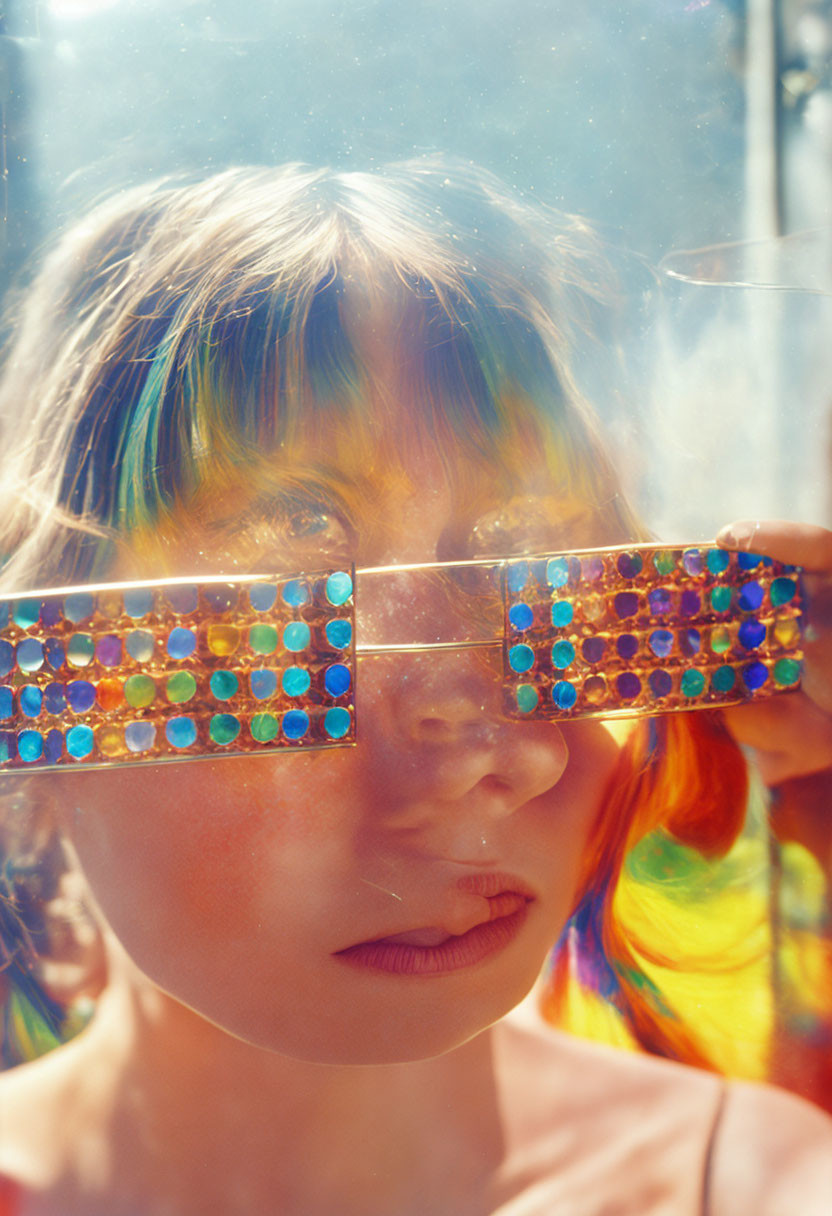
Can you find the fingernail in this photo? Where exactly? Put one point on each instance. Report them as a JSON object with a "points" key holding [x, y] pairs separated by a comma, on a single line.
{"points": [[738, 535]]}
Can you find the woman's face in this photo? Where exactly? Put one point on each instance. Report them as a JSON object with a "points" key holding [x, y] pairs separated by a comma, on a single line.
{"points": [[361, 905]]}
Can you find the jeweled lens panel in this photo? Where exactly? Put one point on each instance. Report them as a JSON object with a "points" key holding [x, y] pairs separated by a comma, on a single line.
{"points": [[648, 630], [134, 673]]}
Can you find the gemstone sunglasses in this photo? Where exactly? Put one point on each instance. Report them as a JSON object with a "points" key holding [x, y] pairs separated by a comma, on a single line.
{"points": [[96, 676]]}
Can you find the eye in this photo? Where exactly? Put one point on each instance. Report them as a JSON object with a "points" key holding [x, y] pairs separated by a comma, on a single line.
{"points": [[529, 524], [318, 537]]}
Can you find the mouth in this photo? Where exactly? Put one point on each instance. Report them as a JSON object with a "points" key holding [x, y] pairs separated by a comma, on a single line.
{"points": [[432, 950]]}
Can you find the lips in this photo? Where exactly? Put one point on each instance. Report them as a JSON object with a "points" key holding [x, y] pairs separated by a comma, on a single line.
{"points": [[434, 949]]}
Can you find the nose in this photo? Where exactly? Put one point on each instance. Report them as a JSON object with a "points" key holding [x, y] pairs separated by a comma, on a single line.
{"points": [[434, 725]]}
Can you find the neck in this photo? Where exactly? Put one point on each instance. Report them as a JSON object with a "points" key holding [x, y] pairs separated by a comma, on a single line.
{"points": [[214, 1113]]}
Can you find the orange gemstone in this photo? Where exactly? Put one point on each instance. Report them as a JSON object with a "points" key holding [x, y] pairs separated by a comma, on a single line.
{"points": [[223, 639], [109, 694]]}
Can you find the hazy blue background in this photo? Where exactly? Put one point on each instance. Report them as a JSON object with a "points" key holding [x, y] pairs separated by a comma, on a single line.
{"points": [[632, 113]]}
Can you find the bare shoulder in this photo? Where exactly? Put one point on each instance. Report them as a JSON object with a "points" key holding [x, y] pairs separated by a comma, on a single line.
{"points": [[771, 1156]]}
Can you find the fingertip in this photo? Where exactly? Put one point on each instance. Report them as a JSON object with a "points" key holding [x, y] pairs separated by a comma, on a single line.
{"points": [[738, 535]]}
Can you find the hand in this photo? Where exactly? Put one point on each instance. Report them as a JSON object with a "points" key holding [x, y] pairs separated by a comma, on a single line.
{"points": [[791, 736]]}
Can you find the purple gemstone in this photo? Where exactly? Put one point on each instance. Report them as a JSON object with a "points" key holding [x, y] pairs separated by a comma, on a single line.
{"points": [[750, 596], [661, 642], [690, 603], [81, 696], [660, 683], [627, 645], [629, 564], [51, 613], [54, 746], [108, 650], [628, 684], [221, 597], [626, 604], [593, 649], [659, 601], [592, 568]]}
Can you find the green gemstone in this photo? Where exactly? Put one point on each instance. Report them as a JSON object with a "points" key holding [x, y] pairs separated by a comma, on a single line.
{"points": [[527, 698], [786, 672], [723, 679], [720, 639], [139, 691], [264, 728], [224, 684], [782, 590], [692, 683], [181, 686], [224, 728], [262, 639], [80, 650], [721, 599], [664, 561]]}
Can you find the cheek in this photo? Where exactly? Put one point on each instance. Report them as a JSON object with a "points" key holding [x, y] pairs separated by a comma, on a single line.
{"points": [[203, 851]]}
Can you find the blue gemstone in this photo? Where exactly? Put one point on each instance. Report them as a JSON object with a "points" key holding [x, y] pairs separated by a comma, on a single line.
{"points": [[337, 679], [263, 683], [139, 645], [754, 675], [660, 683], [6, 657], [180, 732], [752, 633], [337, 722], [79, 742], [29, 654], [627, 645], [661, 643], [295, 724], [296, 635], [54, 698], [339, 634], [140, 736], [296, 681], [78, 606], [557, 572], [54, 747], [748, 561], [518, 576], [718, 560], [626, 604], [182, 599], [54, 651], [6, 702], [563, 653], [26, 613], [593, 649], [30, 700], [694, 561], [750, 596], [521, 658], [30, 745], [690, 641], [338, 588], [181, 642], [261, 596], [660, 601], [295, 593], [138, 602], [562, 614], [81, 696], [564, 694], [520, 616]]}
